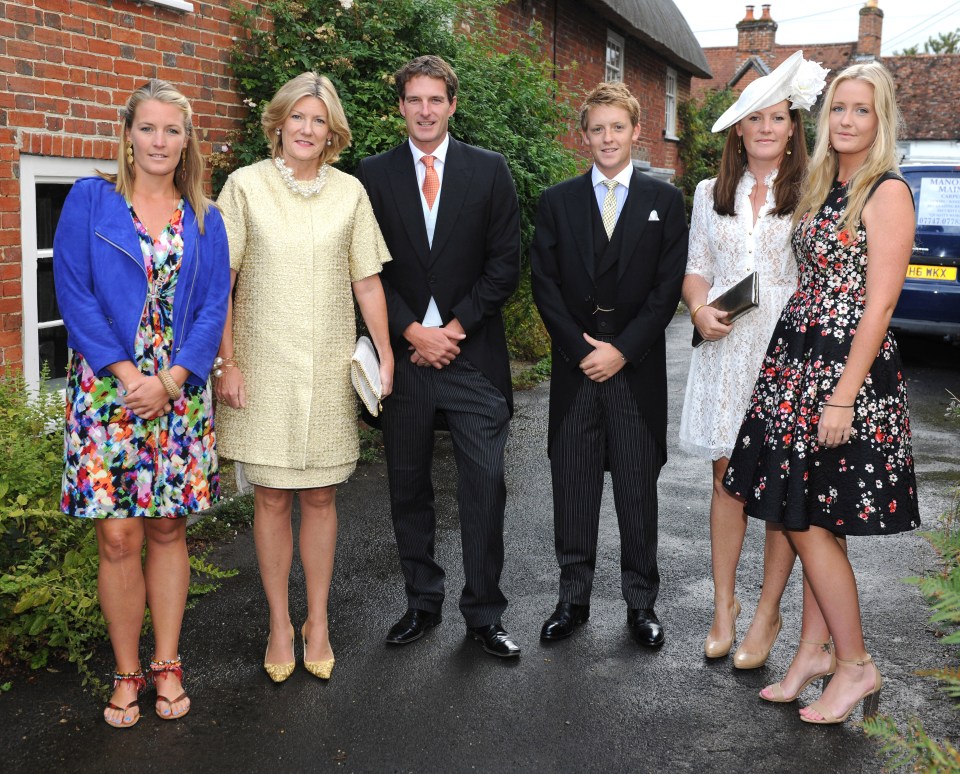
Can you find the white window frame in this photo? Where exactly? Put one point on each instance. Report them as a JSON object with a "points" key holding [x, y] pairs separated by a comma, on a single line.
{"points": [[176, 5], [670, 106], [36, 170], [615, 42]]}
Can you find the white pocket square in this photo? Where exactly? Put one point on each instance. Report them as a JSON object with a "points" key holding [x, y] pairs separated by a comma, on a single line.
{"points": [[653, 215]]}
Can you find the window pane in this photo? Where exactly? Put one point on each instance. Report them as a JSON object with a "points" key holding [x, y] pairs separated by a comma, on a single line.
{"points": [[50, 198], [47, 309], [54, 352]]}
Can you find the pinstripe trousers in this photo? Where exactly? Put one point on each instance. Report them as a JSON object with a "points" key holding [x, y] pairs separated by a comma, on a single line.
{"points": [[603, 422], [477, 416]]}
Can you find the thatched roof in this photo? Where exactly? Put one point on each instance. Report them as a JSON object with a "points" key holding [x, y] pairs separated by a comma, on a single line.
{"points": [[660, 25]]}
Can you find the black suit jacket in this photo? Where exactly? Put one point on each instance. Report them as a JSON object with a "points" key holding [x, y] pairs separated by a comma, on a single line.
{"points": [[649, 258], [474, 264]]}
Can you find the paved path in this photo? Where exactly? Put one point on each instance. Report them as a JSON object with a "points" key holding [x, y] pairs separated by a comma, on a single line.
{"points": [[593, 703]]}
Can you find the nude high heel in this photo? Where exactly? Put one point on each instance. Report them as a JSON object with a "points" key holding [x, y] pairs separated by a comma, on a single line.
{"points": [[280, 672], [743, 659], [777, 696], [720, 648], [322, 669], [870, 698]]}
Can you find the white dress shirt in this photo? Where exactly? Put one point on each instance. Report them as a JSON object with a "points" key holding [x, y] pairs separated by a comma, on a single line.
{"points": [[623, 177], [432, 318]]}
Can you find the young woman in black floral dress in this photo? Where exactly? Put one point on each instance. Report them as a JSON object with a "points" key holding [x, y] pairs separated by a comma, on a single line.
{"points": [[825, 445]]}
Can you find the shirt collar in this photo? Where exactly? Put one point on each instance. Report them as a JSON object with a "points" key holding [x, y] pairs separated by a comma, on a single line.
{"points": [[440, 153], [623, 177]]}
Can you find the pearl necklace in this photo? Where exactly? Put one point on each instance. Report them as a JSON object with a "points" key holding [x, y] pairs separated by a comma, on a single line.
{"points": [[305, 189]]}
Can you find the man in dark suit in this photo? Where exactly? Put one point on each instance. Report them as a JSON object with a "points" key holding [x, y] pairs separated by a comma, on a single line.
{"points": [[449, 214], [608, 260]]}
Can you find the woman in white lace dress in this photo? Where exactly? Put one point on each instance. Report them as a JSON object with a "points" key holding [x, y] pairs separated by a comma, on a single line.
{"points": [[740, 224]]}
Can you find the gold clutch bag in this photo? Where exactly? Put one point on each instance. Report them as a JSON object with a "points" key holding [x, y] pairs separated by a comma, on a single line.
{"points": [[736, 302]]}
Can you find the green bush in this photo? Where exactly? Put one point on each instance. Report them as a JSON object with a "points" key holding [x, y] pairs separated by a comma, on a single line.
{"points": [[913, 747], [48, 561], [507, 100]]}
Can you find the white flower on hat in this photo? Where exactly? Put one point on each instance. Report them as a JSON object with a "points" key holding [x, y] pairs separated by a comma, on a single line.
{"points": [[807, 85]]}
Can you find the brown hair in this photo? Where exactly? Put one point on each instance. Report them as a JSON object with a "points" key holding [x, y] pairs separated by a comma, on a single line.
{"points": [[431, 66], [786, 188], [188, 176], [614, 95], [307, 84]]}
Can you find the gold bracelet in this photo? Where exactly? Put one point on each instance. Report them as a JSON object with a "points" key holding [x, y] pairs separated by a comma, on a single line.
{"points": [[169, 384], [223, 362], [693, 314]]}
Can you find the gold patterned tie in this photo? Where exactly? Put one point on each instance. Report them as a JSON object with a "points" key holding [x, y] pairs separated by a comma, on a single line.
{"points": [[609, 211], [431, 181]]}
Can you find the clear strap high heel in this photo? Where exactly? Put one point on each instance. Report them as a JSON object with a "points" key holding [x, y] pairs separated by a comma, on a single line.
{"points": [[776, 692], [870, 698]]}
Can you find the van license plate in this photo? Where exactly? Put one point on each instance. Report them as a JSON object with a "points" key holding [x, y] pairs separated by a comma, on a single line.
{"points": [[919, 271]]}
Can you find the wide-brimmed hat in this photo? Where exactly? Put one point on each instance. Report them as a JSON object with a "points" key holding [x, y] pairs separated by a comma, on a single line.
{"points": [[796, 79]]}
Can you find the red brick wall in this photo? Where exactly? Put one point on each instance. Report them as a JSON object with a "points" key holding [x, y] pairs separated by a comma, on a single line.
{"points": [[66, 66], [574, 37]]}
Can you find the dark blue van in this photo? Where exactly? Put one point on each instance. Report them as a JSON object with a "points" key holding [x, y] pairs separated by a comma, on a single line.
{"points": [[930, 301]]}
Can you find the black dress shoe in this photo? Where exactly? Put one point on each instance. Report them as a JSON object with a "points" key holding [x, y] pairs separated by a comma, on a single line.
{"points": [[412, 626], [645, 626], [495, 640], [565, 619]]}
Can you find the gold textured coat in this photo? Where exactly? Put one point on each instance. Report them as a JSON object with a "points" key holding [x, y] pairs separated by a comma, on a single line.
{"points": [[293, 316]]}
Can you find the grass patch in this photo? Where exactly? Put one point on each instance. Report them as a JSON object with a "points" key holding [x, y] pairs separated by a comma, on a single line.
{"points": [[533, 375]]}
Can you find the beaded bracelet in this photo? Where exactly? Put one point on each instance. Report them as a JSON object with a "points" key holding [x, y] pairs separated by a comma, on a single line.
{"points": [[169, 384]]}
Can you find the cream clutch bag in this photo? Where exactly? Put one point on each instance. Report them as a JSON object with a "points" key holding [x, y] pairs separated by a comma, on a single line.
{"points": [[736, 302], [365, 375]]}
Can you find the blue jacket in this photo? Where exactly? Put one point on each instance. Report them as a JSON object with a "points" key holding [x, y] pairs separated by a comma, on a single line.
{"points": [[102, 284]]}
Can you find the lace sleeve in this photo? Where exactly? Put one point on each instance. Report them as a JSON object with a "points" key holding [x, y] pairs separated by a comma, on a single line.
{"points": [[699, 256]]}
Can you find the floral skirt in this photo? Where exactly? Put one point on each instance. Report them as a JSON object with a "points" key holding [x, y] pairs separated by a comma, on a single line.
{"points": [[119, 465]]}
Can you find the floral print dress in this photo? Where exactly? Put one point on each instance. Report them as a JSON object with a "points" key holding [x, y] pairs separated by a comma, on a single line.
{"points": [[867, 485], [117, 464]]}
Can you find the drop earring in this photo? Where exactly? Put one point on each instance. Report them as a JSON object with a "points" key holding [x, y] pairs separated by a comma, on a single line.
{"points": [[740, 146], [789, 152], [130, 153], [329, 142]]}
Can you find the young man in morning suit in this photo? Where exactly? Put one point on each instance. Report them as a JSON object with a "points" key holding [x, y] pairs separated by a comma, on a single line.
{"points": [[608, 260], [450, 217]]}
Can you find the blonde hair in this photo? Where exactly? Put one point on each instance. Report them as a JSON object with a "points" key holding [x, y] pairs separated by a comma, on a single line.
{"points": [[613, 95], [281, 106], [188, 176], [882, 157]]}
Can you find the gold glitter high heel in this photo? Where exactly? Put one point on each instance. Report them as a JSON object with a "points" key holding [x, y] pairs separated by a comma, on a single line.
{"points": [[279, 672], [321, 669]]}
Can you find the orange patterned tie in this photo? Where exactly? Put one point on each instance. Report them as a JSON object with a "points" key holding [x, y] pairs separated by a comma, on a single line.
{"points": [[431, 181]]}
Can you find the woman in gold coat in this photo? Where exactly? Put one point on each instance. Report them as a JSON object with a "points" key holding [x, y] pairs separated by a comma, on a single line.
{"points": [[303, 243]]}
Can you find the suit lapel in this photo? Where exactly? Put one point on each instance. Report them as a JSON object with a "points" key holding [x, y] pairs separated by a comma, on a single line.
{"points": [[406, 194], [580, 198], [457, 175]]}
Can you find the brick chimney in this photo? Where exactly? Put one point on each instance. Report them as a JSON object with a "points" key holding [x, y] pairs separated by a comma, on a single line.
{"points": [[757, 37], [871, 26]]}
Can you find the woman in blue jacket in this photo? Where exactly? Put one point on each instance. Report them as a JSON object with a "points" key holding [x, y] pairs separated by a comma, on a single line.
{"points": [[142, 274]]}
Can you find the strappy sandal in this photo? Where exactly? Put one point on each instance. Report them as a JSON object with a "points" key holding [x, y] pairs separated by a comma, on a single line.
{"points": [[870, 698], [777, 695], [161, 669], [139, 682]]}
